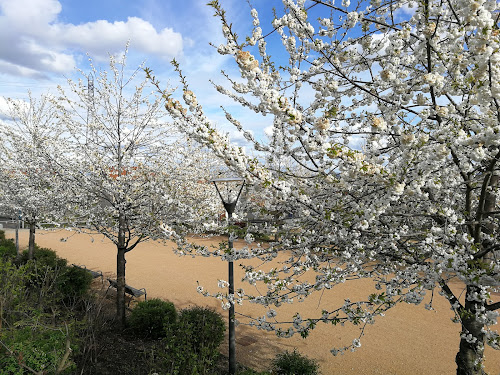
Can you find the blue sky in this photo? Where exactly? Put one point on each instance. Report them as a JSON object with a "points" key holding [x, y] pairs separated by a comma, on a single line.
{"points": [[43, 41]]}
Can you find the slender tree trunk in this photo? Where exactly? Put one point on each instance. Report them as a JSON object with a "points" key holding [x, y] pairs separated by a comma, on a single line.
{"points": [[31, 243], [18, 253], [470, 356], [120, 273], [120, 290]]}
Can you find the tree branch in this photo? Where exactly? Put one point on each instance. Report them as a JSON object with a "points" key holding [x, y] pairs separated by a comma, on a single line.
{"points": [[492, 307]]}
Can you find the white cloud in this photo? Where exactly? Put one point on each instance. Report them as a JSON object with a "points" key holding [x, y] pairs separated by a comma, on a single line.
{"points": [[102, 37], [30, 14], [16, 70], [39, 44]]}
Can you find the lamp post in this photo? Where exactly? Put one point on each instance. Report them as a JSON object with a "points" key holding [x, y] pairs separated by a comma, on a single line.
{"points": [[229, 190]]}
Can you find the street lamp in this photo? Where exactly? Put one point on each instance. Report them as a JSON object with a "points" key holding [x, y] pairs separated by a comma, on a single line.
{"points": [[229, 190]]}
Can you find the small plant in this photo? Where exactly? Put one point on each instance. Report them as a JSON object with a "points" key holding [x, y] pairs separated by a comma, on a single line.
{"points": [[205, 326], [148, 318], [7, 248], [294, 363], [74, 282], [42, 349], [192, 346]]}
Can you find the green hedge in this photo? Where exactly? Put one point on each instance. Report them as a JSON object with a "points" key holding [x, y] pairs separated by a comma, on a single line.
{"points": [[7, 248], [149, 318], [192, 345], [293, 363]]}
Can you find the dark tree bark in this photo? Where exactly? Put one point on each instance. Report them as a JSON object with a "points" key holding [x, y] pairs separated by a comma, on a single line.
{"points": [[120, 272], [31, 243], [469, 358], [120, 289]]}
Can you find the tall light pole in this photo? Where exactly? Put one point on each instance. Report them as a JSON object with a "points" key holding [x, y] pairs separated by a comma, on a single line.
{"points": [[229, 190]]}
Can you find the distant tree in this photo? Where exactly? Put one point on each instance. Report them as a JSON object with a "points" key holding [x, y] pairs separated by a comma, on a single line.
{"points": [[390, 114], [122, 163], [29, 184]]}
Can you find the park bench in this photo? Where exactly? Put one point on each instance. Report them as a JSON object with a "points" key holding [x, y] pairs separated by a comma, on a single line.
{"points": [[94, 274], [134, 292]]}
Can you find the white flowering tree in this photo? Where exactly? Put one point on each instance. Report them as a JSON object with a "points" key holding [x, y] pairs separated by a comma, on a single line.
{"points": [[29, 184], [389, 113], [122, 163]]}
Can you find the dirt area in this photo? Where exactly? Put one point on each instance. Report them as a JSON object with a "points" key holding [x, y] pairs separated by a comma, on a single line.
{"points": [[408, 340]]}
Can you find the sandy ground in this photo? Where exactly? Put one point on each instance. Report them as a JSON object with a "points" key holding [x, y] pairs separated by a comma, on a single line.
{"points": [[408, 340]]}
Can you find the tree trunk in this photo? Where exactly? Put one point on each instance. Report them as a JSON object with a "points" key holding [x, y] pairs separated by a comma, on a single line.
{"points": [[18, 253], [120, 271], [469, 358], [120, 289], [31, 243]]}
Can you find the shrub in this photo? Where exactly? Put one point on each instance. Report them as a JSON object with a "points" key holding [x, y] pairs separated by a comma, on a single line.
{"points": [[2, 235], [45, 257], [12, 291], [38, 347], [148, 318], [45, 270], [7, 248], [205, 326], [192, 346], [74, 282], [294, 364]]}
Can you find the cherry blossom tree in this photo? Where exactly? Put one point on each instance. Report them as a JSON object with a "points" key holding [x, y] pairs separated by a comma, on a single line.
{"points": [[124, 165], [389, 114], [29, 183]]}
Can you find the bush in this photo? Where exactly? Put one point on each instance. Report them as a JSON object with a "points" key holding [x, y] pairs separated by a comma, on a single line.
{"points": [[74, 282], [7, 248], [205, 326], [12, 291], [192, 346], [33, 332], [294, 364], [45, 257], [2, 235], [40, 348], [149, 318], [45, 270]]}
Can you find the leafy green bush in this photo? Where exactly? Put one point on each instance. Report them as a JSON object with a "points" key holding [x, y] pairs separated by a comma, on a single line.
{"points": [[38, 347], [205, 326], [148, 318], [74, 282], [192, 346], [7, 248], [294, 363], [2, 235], [33, 332], [12, 291], [45, 257]]}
